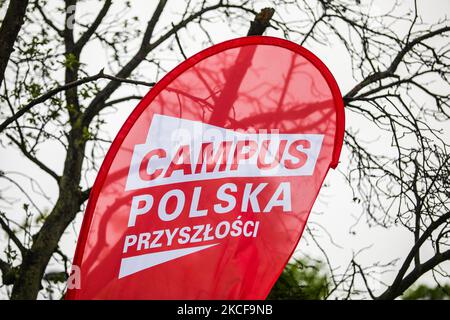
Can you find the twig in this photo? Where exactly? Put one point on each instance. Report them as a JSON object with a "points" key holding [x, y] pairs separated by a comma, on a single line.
{"points": [[56, 90]]}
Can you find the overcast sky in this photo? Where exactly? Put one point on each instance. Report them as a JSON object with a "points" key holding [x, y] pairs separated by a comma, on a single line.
{"points": [[334, 209]]}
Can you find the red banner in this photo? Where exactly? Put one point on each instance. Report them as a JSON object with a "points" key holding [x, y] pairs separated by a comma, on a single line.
{"points": [[206, 189]]}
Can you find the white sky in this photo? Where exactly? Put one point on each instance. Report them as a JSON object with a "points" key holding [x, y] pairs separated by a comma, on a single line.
{"points": [[334, 209]]}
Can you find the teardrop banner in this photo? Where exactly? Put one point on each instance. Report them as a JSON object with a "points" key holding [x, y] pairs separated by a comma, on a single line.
{"points": [[206, 190]]}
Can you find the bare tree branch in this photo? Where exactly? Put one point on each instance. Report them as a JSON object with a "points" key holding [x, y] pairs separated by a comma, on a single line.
{"points": [[11, 234], [56, 90], [32, 158], [401, 282], [390, 72], [81, 42], [98, 102]]}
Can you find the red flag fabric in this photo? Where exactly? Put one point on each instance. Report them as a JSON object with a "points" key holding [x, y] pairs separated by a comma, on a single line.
{"points": [[206, 189]]}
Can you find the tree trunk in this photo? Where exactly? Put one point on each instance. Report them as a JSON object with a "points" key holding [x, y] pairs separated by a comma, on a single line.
{"points": [[9, 30], [46, 241]]}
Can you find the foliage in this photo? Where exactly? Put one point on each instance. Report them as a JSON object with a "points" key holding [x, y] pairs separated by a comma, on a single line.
{"points": [[301, 280], [424, 292]]}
